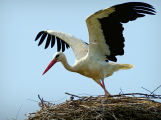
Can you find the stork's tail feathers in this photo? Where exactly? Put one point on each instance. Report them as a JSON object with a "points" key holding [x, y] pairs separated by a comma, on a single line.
{"points": [[125, 66]]}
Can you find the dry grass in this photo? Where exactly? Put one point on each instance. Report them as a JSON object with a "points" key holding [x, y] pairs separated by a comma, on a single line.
{"points": [[116, 107]]}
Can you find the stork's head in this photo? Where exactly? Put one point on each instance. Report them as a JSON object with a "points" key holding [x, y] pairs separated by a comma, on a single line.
{"points": [[58, 57]]}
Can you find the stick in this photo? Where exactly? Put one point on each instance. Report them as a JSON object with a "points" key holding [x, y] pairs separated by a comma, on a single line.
{"points": [[147, 90], [156, 89], [73, 95], [41, 101], [18, 112], [121, 91]]}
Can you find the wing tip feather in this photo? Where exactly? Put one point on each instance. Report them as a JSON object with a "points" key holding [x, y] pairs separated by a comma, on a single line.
{"points": [[51, 38]]}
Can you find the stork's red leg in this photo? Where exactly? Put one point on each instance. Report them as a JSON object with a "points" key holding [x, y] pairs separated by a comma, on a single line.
{"points": [[103, 86]]}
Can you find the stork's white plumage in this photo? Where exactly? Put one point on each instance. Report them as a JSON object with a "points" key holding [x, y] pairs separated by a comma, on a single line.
{"points": [[106, 41]]}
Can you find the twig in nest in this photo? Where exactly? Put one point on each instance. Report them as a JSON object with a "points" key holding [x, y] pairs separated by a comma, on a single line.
{"points": [[42, 101], [71, 98], [85, 99], [113, 115], [17, 113], [121, 91], [148, 90], [156, 89], [73, 95], [33, 100]]}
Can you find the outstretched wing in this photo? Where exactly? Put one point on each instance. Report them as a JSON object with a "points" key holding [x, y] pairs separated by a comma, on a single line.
{"points": [[64, 40], [105, 29]]}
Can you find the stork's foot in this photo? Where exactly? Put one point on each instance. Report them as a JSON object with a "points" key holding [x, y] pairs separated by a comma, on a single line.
{"points": [[107, 93], [103, 86]]}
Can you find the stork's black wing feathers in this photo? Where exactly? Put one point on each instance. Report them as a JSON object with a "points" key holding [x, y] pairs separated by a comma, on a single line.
{"points": [[145, 8], [145, 12], [112, 27], [42, 39], [58, 44], [51, 38], [52, 41], [48, 41], [63, 46], [38, 35], [114, 39], [67, 46]]}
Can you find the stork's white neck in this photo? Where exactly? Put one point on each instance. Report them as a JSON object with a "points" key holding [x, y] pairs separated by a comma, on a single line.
{"points": [[67, 66]]}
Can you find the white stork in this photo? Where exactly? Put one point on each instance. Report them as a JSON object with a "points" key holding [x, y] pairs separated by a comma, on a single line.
{"points": [[106, 41]]}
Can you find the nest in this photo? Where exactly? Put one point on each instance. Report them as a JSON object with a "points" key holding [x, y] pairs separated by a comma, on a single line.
{"points": [[133, 106]]}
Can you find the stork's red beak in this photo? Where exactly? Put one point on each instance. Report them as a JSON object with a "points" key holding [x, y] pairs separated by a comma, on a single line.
{"points": [[49, 66]]}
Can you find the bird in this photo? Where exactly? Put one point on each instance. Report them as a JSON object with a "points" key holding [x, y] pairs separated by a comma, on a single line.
{"points": [[97, 60]]}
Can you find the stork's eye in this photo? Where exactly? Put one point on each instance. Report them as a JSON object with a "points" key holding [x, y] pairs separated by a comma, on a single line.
{"points": [[57, 56]]}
